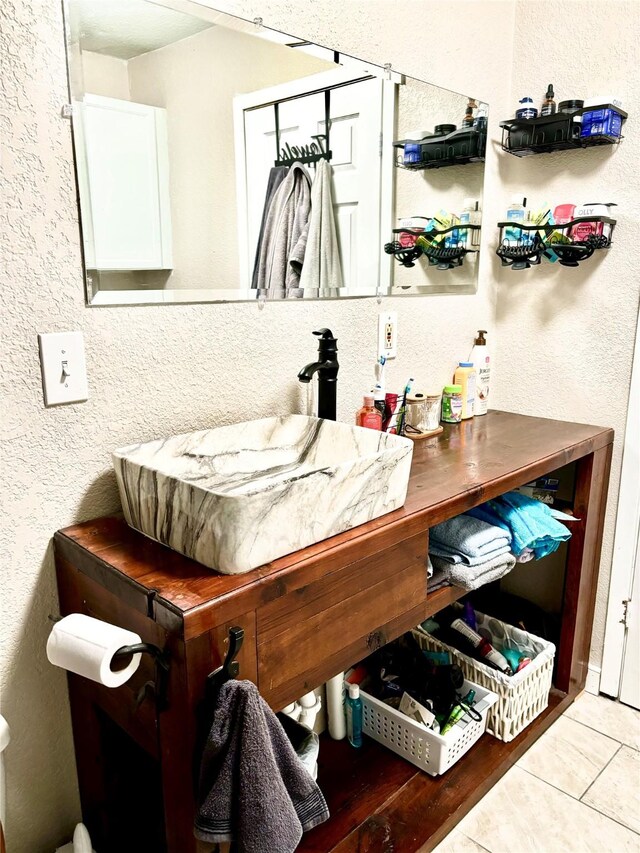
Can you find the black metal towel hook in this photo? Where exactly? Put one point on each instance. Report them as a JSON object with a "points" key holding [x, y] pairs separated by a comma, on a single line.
{"points": [[230, 668], [304, 154]]}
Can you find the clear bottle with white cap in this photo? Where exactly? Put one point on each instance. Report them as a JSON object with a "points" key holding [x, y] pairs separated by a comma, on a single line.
{"points": [[470, 237]]}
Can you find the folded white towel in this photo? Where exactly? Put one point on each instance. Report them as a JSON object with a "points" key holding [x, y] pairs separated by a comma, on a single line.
{"points": [[473, 577], [451, 555]]}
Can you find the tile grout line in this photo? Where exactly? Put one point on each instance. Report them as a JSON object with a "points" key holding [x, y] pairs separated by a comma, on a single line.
{"points": [[555, 787], [598, 731], [468, 837], [575, 799], [600, 774], [481, 846]]}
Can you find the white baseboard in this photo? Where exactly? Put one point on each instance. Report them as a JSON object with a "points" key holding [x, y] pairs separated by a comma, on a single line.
{"points": [[593, 679]]}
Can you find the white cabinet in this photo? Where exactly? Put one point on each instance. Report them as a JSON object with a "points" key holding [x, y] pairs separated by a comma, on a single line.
{"points": [[123, 179]]}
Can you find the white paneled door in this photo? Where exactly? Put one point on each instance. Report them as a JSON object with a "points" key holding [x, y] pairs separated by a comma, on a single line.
{"points": [[621, 659], [361, 125]]}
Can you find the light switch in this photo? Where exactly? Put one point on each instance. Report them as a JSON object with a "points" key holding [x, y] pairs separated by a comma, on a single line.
{"points": [[64, 371]]}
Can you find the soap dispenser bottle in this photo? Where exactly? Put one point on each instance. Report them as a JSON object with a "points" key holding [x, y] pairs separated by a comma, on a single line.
{"points": [[480, 359]]}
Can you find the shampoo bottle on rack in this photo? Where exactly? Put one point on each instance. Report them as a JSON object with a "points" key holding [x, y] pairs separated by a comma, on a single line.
{"points": [[481, 361], [516, 213], [470, 237]]}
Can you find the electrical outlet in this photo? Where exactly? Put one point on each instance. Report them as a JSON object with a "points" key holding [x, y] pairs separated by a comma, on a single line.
{"points": [[388, 334]]}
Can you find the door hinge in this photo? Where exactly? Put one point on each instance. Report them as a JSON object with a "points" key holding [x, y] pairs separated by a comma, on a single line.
{"points": [[66, 111], [625, 612], [381, 143]]}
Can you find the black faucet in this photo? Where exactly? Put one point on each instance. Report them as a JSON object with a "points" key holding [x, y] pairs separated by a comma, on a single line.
{"points": [[327, 367]]}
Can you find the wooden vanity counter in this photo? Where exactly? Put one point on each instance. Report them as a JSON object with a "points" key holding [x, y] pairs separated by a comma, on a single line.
{"points": [[309, 615]]}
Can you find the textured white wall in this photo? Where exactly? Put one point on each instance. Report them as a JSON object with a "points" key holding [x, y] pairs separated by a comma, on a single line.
{"points": [[102, 75], [163, 369], [566, 336]]}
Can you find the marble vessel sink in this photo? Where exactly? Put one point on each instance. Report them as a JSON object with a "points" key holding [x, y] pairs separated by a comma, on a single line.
{"points": [[236, 497]]}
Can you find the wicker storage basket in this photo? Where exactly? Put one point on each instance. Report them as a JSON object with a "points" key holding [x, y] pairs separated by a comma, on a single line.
{"points": [[521, 697], [429, 751]]}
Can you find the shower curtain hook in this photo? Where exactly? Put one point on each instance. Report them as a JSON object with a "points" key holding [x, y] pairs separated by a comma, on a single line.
{"points": [[257, 23], [387, 68]]}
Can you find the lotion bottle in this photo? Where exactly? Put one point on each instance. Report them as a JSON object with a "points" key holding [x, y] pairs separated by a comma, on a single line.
{"points": [[481, 361], [465, 376]]}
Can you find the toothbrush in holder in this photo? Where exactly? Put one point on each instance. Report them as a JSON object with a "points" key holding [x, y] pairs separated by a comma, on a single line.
{"points": [[403, 409]]}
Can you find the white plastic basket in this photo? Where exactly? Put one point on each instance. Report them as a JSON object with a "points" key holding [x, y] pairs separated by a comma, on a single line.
{"points": [[521, 697], [429, 751]]}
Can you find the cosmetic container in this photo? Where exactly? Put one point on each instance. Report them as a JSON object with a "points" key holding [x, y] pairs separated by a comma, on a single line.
{"points": [[526, 109], [452, 404]]}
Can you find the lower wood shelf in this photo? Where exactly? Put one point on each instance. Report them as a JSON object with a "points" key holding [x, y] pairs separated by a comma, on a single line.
{"points": [[380, 802]]}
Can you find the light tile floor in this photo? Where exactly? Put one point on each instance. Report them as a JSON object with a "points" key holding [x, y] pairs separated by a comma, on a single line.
{"points": [[576, 790]]}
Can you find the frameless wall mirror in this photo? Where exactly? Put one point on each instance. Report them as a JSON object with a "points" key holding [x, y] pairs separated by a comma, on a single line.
{"points": [[220, 160]]}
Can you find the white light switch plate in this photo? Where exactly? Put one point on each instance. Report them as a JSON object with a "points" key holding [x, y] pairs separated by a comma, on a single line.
{"points": [[64, 371]]}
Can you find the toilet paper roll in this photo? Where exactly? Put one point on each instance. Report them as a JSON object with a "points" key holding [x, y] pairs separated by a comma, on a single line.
{"points": [[86, 646]]}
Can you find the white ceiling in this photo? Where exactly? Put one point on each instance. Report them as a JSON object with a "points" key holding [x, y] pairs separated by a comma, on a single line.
{"points": [[127, 28]]}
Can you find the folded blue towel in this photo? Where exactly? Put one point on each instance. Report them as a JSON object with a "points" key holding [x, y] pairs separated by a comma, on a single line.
{"points": [[531, 523], [471, 538]]}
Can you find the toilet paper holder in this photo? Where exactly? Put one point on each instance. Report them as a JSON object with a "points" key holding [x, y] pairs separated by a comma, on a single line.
{"points": [[160, 685]]}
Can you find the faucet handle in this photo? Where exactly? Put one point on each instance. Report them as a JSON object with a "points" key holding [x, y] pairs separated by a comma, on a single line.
{"points": [[325, 334]]}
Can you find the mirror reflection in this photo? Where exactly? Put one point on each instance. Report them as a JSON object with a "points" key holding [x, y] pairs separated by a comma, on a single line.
{"points": [[219, 160]]}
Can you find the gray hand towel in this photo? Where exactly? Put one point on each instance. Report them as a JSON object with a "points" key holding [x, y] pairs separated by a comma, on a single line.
{"points": [[254, 789], [473, 577], [471, 537], [276, 177], [283, 237], [438, 580]]}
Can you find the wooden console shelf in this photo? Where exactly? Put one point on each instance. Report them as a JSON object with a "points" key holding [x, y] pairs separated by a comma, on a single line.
{"points": [[306, 617]]}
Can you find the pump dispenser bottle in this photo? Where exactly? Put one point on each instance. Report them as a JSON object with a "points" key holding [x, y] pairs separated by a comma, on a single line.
{"points": [[480, 359]]}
